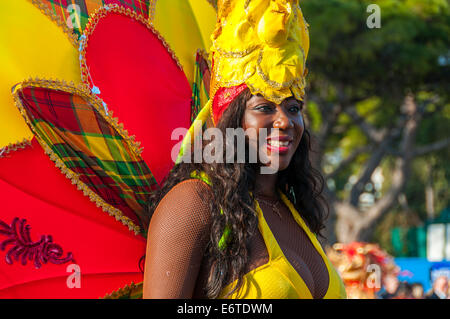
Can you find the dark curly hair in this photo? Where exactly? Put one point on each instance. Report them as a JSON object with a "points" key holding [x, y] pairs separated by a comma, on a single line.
{"points": [[232, 186]]}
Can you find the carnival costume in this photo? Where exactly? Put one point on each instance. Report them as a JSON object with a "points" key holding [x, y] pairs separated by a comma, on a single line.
{"points": [[126, 66], [75, 230]]}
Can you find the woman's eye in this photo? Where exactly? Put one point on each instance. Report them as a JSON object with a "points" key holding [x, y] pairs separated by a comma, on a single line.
{"points": [[294, 109], [264, 108]]}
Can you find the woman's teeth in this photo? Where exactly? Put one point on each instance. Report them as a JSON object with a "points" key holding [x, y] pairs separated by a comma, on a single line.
{"points": [[278, 143]]}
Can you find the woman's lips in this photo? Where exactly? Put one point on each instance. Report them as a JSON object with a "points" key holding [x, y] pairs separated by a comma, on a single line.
{"points": [[280, 145]]}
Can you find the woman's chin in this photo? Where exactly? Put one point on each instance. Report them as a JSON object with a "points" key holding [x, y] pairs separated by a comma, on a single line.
{"points": [[275, 165]]}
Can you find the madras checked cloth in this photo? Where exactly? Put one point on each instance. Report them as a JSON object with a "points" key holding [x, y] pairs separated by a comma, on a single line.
{"points": [[200, 87], [91, 146], [76, 12]]}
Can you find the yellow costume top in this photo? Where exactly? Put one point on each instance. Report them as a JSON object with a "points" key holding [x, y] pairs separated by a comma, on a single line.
{"points": [[278, 279]]}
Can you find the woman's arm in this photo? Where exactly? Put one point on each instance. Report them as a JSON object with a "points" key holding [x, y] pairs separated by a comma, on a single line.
{"points": [[176, 241]]}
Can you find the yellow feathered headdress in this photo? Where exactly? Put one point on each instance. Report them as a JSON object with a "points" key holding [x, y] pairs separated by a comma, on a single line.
{"points": [[262, 43]]}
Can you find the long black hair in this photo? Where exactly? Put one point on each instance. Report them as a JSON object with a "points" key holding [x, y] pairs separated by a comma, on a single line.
{"points": [[231, 187]]}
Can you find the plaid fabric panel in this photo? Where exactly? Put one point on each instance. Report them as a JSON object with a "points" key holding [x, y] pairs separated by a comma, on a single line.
{"points": [[200, 87], [76, 12], [89, 146], [131, 291]]}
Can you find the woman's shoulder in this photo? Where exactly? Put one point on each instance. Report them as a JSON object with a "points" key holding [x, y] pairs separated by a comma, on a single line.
{"points": [[190, 190], [187, 204]]}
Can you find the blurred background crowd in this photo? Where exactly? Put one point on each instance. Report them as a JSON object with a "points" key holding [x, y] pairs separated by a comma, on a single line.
{"points": [[393, 288], [369, 272]]}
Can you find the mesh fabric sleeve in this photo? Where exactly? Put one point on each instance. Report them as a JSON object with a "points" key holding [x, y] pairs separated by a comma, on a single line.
{"points": [[177, 239]]}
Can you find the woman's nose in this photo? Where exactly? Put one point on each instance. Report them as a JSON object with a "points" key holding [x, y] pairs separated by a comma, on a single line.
{"points": [[282, 120]]}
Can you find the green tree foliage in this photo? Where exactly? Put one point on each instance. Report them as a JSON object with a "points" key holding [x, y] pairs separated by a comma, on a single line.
{"points": [[402, 54], [378, 99]]}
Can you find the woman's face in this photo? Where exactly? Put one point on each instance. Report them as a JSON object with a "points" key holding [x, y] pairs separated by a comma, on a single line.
{"points": [[283, 124]]}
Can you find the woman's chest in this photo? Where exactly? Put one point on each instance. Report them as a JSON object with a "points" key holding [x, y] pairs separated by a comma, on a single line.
{"points": [[299, 251]]}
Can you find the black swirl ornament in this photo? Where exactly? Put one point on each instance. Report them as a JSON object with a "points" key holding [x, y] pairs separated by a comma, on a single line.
{"points": [[21, 246]]}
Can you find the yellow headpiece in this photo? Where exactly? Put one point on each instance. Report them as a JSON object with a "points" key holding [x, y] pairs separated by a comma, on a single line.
{"points": [[262, 43]]}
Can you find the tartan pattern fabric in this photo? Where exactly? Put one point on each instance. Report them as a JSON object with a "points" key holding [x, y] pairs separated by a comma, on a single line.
{"points": [[131, 291], [66, 10], [200, 87], [91, 147]]}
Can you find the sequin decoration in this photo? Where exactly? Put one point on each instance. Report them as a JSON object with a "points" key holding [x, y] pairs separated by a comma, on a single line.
{"points": [[21, 246]]}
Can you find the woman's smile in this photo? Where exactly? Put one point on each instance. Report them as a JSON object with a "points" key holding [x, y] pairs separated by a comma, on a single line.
{"points": [[280, 144]]}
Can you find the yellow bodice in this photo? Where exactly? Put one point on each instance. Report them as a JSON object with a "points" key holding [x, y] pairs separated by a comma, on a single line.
{"points": [[277, 279]]}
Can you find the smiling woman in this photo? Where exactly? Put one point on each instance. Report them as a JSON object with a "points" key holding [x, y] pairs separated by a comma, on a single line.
{"points": [[283, 123], [199, 221], [231, 229]]}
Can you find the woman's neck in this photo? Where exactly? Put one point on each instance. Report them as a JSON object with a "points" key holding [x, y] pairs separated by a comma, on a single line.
{"points": [[265, 185]]}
